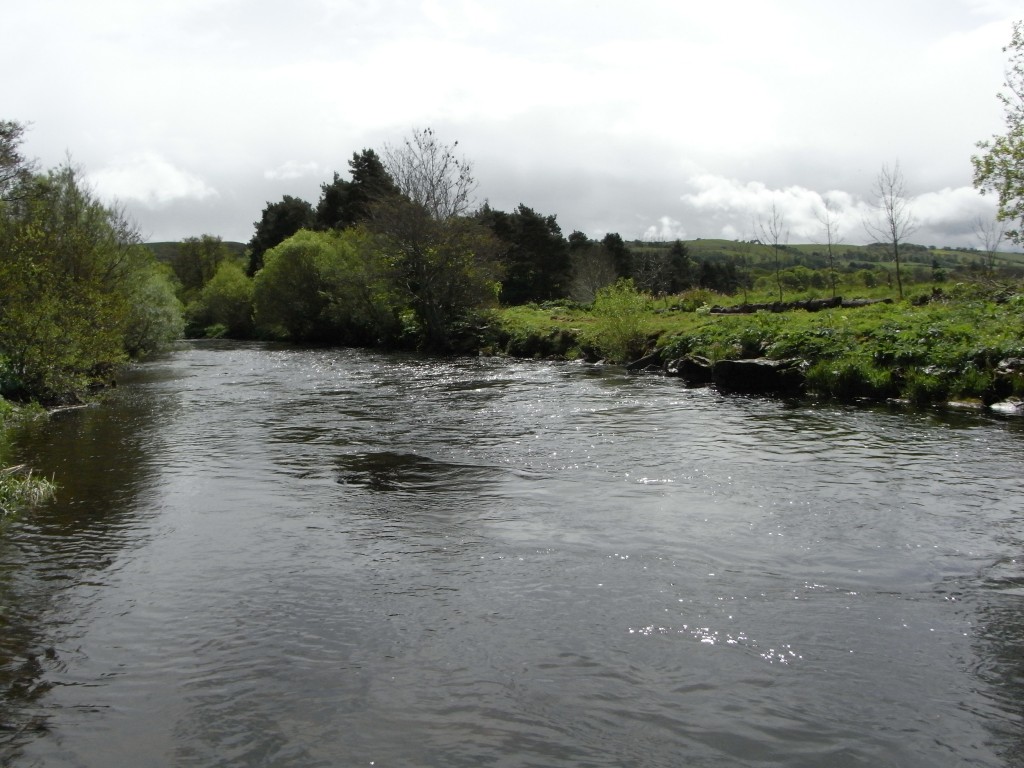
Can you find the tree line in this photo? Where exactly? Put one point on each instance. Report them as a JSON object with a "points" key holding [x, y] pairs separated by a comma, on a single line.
{"points": [[399, 254], [79, 292]]}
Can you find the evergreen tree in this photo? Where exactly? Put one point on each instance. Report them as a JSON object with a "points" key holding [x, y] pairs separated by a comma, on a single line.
{"points": [[278, 222]]}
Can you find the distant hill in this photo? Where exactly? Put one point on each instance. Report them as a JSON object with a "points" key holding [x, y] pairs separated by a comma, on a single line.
{"points": [[166, 251], [816, 255]]}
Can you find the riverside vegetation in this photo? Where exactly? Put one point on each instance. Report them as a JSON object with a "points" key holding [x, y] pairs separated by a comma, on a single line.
{"points": [[397, 256]]}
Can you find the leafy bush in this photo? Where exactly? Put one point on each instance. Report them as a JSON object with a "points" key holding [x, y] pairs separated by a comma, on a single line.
{"points": [[618, 331]]}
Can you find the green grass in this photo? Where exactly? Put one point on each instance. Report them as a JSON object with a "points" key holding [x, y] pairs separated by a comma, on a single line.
{"points": [[21, 489], [946, 349]]}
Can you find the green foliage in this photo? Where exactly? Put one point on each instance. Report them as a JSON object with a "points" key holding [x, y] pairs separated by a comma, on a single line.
{"points": [[1000, 166], [195, 261], [537, 261], [154, 315], [224, 307], [618, 332], [850, 378], [444, 270], [78, 293], [328, 287], [948, 348], [277, 223], [15, 169]]}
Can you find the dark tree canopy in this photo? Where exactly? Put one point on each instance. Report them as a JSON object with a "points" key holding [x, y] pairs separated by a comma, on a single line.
{"points": [[619, 253], [196, 260], [344, 204], [278, 222], [15, 170], [444, 269], [679, 268], [537, 263]]}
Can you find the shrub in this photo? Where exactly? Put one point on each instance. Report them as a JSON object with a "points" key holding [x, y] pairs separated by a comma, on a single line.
{"points": [[618, 331]]}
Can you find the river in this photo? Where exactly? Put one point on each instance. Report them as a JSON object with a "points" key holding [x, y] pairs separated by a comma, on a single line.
{"points": [[269, 556]]}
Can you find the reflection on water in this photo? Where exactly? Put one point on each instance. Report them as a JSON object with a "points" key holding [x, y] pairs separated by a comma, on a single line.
{"points": [[263, 555]]}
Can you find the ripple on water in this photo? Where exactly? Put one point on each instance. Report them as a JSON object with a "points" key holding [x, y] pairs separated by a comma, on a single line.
{"points": [[321, 557]]}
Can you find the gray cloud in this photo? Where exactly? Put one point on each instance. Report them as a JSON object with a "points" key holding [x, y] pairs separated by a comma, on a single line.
{"points": [[648, 119]]}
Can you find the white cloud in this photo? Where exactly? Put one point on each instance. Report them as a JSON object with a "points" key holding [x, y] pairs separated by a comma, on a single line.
{"points": [[149, 179], [294, 170], [730, 208], [666, 228], [598, 113]]}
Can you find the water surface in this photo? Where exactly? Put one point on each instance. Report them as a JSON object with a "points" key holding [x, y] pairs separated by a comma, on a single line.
{"points": [[267, 556]]}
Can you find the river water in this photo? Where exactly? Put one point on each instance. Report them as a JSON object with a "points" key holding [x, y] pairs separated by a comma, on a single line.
{"points": [[268, 556]]}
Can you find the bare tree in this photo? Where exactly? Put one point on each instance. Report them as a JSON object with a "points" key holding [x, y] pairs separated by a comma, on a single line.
{"points": [[775, 235], [592, 270], [830, 223], [990, 234], [894, 220], [430, 174]]}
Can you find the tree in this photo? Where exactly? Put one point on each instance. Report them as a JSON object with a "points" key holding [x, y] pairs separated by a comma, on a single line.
{"points": [[1000, 166], [333, 287], [430, 174], [224, 305], [288, 292], [79, 293], [592, 268], [278, 222], [619, 253], [894, 220], [990, 234], [15, 170], [537, 262], [679, 266], [775, 235], [830, 226], [196, 261], [344, 203], [444, 270]]}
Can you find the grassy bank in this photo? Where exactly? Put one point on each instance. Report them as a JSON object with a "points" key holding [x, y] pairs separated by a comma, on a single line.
{"points": [[950, 343], [20, 487]]}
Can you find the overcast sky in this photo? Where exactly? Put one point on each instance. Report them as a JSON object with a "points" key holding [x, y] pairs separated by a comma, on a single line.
{"points": [[655, 119]]}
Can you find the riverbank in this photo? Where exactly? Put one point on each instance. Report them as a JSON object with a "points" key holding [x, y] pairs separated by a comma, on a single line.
{"points": [[964, 343], [20, 487]]}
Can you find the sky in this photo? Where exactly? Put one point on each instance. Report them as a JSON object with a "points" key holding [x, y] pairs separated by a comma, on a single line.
{"points": [[655, 119]]}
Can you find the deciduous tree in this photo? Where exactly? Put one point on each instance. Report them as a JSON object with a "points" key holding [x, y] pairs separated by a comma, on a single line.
{"points": [[79, 293], [830, 228], [999, 168], [894, 220], [775, 235], [430, 174], [444, 270]]}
